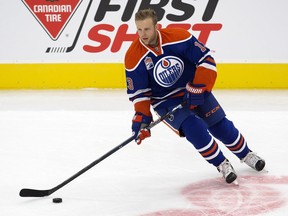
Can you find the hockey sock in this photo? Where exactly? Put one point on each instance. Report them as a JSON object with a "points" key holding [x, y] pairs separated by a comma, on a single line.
{"points": [[226, 132], [196, 133]]}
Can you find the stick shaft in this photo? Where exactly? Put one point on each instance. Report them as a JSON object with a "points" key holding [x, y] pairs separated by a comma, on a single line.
{"points": [[41, 193]]}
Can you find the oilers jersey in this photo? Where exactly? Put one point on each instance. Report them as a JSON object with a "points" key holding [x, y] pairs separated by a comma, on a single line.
{"points": [[158, 75]]}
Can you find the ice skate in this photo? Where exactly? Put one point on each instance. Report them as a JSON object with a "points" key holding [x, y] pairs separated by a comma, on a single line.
{"points": [[254, 161], [228, 172]]}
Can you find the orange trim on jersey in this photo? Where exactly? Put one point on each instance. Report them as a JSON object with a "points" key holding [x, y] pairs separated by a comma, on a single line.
{"points": [[210, 60], [170, 35], [137, 118], [137, 50], [205, 76], [143, 107]]}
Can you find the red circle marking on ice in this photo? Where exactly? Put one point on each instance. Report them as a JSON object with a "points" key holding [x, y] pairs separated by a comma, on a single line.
{"points": [[254, 195]]}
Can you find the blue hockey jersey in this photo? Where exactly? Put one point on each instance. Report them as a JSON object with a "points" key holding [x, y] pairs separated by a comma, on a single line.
{"points": [[157, 76]]}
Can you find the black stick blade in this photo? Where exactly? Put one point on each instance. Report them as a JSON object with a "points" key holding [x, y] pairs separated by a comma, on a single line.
{"points": [[34, 193]]}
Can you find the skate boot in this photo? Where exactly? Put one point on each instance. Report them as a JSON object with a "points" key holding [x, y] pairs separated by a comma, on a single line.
{"points": [[254, 161], [228, 172]]}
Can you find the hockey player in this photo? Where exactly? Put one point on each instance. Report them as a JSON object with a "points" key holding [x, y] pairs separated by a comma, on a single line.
{"points": [[168, 66]]}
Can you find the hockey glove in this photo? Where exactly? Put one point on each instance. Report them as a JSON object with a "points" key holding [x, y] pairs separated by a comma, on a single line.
{"points": [[194, 94], [139, 122]]}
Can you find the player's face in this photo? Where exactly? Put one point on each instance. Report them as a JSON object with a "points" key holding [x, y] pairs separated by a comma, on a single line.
{"points": [[147, 31]]}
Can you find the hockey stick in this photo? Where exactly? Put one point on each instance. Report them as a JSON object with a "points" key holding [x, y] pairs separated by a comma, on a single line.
{"points": [[41, 193]]}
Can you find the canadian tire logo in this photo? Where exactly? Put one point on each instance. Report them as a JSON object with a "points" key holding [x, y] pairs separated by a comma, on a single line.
{"points": [[53, 15]]}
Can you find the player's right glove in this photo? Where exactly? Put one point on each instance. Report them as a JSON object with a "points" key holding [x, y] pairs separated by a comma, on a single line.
{"points": [[139, 122], [194, 94]]}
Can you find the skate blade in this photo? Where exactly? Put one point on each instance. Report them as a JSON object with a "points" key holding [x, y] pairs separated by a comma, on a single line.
{"points": [[235, 182], [264, 171]]}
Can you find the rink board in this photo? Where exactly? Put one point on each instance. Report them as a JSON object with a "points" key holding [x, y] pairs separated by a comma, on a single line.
{"points": [[112, 75]]}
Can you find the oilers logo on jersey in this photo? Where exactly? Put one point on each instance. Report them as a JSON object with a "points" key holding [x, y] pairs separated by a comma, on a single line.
{"points": [[168, 70], [159, 78]]}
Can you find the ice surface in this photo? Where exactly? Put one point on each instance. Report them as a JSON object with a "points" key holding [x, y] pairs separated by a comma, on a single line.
{"points": [[48, 136]]}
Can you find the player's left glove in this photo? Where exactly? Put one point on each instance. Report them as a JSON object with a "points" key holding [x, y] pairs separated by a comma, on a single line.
{"points": [[194, 94], [139, 122]]}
